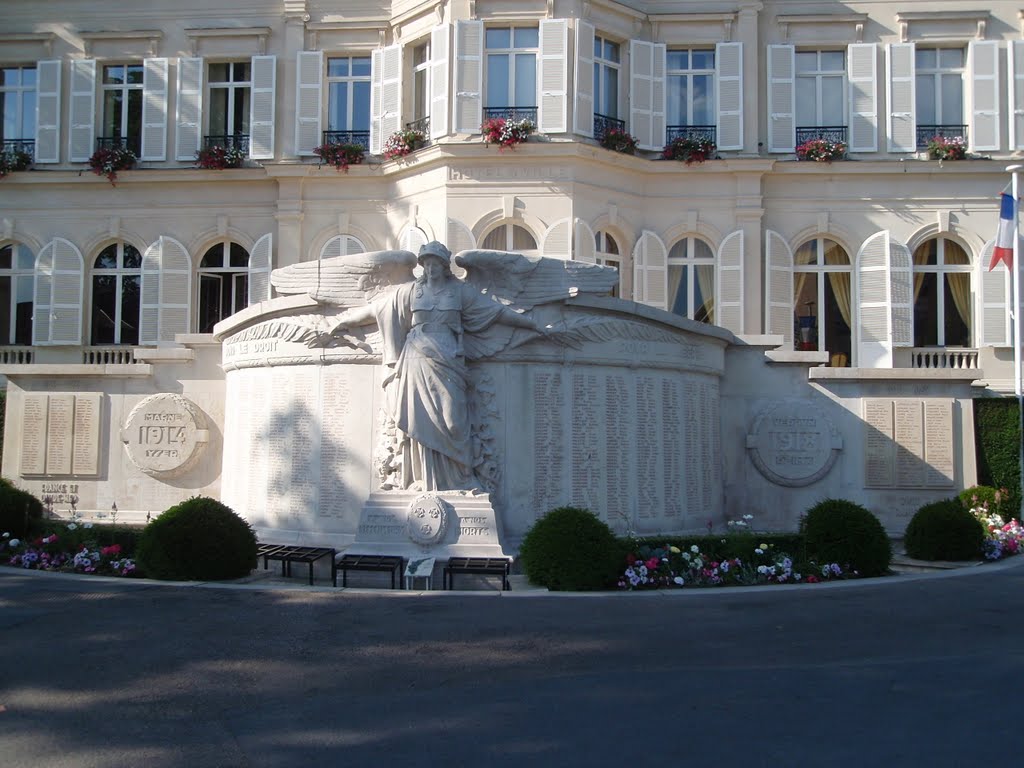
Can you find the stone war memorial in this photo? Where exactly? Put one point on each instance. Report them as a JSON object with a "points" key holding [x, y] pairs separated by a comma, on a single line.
{"points": [[434, 405]]}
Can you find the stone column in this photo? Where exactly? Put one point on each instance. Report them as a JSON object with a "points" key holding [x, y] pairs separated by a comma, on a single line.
{"points": [[746, 33], [295, 17]]}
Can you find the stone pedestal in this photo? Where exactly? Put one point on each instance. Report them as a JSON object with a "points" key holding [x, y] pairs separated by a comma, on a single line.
{"points": [[438, 524]]}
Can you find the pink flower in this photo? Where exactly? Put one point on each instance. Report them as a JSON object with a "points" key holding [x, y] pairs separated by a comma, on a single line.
{"points": [[113, 549], [652, 564]]}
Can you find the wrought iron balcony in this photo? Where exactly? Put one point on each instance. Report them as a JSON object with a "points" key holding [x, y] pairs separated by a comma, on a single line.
{"points": [[709, 132], [833, 133], [360, 138], [926, 133], [134, 143], [511, 113], [603, 124], [230, 141], [422, 125], [28, 146]]}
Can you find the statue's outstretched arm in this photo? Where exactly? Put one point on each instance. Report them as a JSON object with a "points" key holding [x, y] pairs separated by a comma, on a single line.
{"points": [[352, 318]]}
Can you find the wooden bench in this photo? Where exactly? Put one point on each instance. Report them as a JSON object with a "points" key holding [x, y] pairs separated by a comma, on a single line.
{"points": [[288, 554], [346, 563], [481, 566]]}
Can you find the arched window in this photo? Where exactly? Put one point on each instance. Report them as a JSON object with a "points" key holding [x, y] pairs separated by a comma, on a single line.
{"points": [[116, 290], [16, 276], [691, 280], [223, 284], [509, 237], [942, 294], [822, 303], [607, 254], [341, 245]]}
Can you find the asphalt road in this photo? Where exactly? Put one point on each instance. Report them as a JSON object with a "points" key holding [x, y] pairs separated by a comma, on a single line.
{"points": [[903, 671]]}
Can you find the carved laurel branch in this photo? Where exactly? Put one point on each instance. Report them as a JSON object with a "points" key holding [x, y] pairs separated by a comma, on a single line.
{"points": [[576, 331], [311, 330]]}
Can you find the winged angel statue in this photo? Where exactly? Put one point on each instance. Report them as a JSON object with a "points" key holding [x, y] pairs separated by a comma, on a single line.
{"points": [[429, 326]]}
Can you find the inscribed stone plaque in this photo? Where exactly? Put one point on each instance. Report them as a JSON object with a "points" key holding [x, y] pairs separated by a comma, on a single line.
{"points": [[908, 432], [33, 435], [647, 425], [165, 435], [618, 418], [908, 444], [793, 443], [335, 495], [85, 454], [548, 436], [938, 445], [587, 469], [879, 448], [59, 434]]}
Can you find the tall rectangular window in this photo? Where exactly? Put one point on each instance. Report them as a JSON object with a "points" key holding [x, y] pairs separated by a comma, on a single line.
{"points": [[122, 106], [690, 90], [512, 67], [606, 77], [230, 91], [820, 88], [18, 104], [420, 82], [939, 75], [348, 93]]}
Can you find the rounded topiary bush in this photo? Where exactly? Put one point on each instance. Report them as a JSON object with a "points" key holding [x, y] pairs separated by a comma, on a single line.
{"points": [[570, 549], [20, 511], [944, 530], [197, 540], [841, 531]]}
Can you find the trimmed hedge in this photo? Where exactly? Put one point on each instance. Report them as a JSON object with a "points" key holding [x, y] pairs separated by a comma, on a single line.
{"points": [[20, 511], [843, 532], [997, 443], [197, 540], [944, 530], [570, 549]]}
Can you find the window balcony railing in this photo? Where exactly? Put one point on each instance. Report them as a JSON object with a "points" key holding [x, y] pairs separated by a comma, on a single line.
{"points": [[674, 132], [134, 143], [360, 138], [109, 355], [16, 355], [927, 132], [833, 133], [603, 124], [947, 358], [511, 113], [229, 141], [422, 125], [28, 146]]}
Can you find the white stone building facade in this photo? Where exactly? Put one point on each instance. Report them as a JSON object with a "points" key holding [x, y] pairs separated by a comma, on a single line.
{"points": [[874, 265]]}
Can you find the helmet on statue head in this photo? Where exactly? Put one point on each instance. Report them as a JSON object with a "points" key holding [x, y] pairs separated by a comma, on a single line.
{"points": [[434, 248]]}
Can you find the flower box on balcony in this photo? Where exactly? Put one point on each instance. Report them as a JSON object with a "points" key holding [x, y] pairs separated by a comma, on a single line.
{"points": [[220, 157], [107, 161], [340, 155], [12, 160]]}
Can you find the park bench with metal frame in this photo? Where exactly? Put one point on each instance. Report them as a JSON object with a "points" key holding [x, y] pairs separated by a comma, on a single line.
{"points": [[353, 562], [288, 554], [479, 566]]}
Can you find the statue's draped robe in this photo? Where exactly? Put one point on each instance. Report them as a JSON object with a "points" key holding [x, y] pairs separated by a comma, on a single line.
{"points": [[427, 383]]}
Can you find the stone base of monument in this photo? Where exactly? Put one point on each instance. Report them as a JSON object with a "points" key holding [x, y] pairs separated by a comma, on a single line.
{"points": [[439, 524]]}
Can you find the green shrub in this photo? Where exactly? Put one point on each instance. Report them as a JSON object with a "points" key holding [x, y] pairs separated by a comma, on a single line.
{"points": [[197, 540], [843, 532], [944, 530], [997, 444], [570, 549], [20, 511]]}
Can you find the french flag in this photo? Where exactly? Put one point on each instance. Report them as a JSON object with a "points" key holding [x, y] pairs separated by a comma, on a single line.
{"points": [[1004, 237]]}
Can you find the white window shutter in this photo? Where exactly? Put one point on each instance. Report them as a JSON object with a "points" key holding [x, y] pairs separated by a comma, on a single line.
{"points": [[189, 109], [583, 106], [154, 110], [59, 276], [260, 259], [650, 271], [862, 75], [82, 117], [149, 305], [583, 246], [778, 288], [729, 283], [166, 292], [467, 106], [262, 105], [995, 300], [900, 94], [658, 95], [901, 294], [440, 79], [341, 245], [983, 56], [47, 112], [641, 93], [885, 296], [376, 83], [556, 242], [553, 78], [729, 89], [390, 92], [309, 78], [1015, 92], [781, 98], [460, 237], [412, 239]]}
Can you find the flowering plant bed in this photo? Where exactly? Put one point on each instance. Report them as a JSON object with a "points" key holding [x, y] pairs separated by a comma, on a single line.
{"points": [[1002, 539], [77, 551], [218, 158], [619, 140], [689, 149], [821, 150], [507, 133], [108, 161], [404, 142], [14, 160], [341, 156], [942, 148]]}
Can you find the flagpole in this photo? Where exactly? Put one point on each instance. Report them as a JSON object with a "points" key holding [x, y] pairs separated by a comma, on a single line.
{"points": [[1014, 171]]}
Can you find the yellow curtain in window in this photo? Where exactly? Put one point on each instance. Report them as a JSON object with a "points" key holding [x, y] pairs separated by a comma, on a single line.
{"points": [[840, 281], [960, 288], [706, 283], [920, 259]]}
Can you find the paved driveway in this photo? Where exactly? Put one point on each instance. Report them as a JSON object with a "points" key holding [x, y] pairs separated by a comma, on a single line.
{"points": [[897, 672]]}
